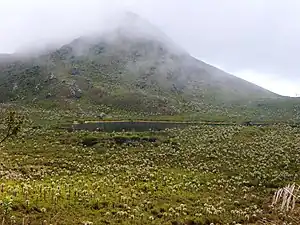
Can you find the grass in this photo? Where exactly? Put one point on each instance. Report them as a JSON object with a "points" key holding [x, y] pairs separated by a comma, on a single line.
{"points": [[197, 175]]}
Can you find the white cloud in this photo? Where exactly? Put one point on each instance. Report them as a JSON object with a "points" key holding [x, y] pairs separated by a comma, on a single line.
{"points": [[262, 35], [271, 82]]}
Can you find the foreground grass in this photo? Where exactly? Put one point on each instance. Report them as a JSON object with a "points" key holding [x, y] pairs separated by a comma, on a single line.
{"points": [[198, 175]]}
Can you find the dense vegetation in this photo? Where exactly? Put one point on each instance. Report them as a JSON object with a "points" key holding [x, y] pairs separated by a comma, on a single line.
{"points": [[198, 175]]}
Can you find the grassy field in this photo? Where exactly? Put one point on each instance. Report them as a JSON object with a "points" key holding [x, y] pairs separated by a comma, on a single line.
{"points": [[198, 175]]}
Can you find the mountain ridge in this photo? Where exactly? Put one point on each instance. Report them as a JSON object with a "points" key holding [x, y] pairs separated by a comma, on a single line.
{"points": [[126, 70]]}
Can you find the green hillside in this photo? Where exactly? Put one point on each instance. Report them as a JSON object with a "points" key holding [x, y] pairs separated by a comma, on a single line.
{"points": [[134, 68]]}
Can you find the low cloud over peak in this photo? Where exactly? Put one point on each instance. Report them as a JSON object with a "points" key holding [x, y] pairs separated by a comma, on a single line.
{"points": [[256, 35]]}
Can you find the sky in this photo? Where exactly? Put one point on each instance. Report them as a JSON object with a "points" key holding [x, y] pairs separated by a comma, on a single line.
{"points": [[257, 40]]}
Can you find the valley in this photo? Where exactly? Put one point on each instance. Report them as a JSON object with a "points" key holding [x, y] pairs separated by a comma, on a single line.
{"points": [[194, 175]]}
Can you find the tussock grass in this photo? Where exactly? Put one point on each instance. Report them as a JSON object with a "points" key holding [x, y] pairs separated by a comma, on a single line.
{"points": [[195, 175]]}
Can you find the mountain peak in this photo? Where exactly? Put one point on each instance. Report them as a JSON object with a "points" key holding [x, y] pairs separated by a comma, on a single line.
{"points": [[133, 24], [131, 16], [133, 62]]}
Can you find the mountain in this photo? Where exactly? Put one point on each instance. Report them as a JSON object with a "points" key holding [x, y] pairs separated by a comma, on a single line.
{"points": [[132, 66]]}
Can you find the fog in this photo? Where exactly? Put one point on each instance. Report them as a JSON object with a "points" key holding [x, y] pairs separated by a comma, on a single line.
{"points": [[254, 39]]}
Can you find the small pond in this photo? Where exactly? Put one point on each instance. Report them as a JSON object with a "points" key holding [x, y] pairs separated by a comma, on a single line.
{"points": [[143, 126], [137, 126]]}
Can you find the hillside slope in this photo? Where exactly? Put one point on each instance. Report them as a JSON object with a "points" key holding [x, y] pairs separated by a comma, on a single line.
{"points": [[132, 66]]}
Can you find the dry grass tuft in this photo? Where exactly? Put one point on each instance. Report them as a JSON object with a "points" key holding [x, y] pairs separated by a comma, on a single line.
{"points": [[286, 197]]}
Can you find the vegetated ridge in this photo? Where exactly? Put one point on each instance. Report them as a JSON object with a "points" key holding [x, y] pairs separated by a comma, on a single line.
{"points": [[132, 67]]}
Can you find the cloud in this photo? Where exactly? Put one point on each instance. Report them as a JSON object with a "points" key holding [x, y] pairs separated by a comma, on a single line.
{"points": [[271, 82], [258, 35]]}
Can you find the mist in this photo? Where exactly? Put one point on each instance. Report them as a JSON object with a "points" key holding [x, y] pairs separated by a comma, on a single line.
{"points": [[256, 40]]}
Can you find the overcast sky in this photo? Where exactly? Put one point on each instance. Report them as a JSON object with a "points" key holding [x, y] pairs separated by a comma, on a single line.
{"points": [[258, 40]]}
